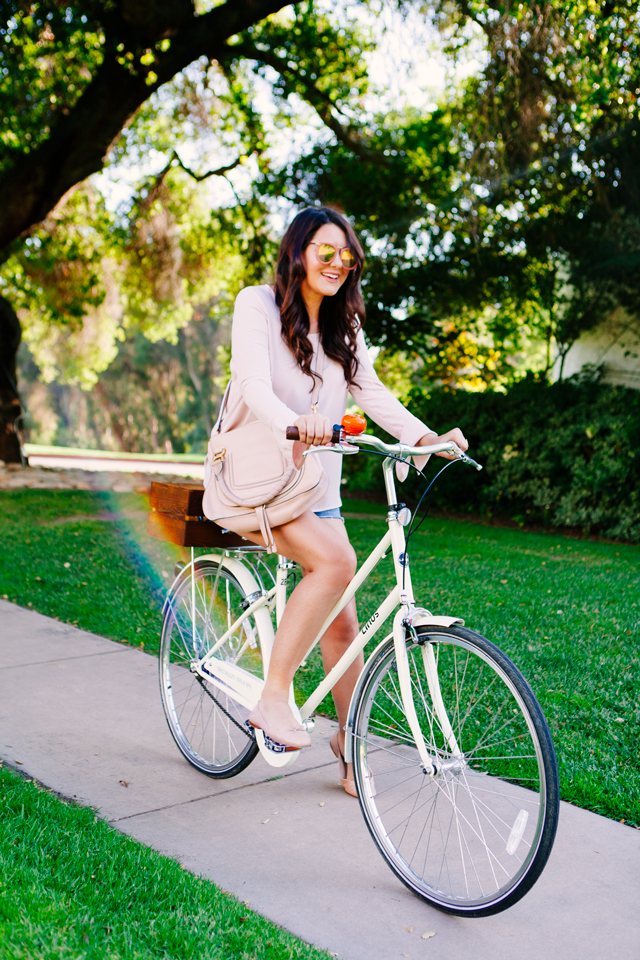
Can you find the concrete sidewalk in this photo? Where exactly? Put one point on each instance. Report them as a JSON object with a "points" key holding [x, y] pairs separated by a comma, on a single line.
{"points": [[83, 715]]}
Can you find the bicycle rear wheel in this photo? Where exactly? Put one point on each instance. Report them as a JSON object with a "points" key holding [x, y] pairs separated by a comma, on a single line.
{"points": [[473, 838], [208, 727]]}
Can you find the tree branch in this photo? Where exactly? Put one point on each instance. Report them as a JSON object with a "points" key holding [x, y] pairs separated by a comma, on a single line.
{"points": [[199, 177], [321, 103], [468, 12], [154, 190]]}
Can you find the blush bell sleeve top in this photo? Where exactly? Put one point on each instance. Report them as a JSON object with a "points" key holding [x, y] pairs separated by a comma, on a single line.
{"points": [[266, 375]]}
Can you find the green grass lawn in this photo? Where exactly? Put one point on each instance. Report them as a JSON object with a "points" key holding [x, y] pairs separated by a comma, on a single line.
{"points": [[71, 887], [85, 558], [567, 611]]}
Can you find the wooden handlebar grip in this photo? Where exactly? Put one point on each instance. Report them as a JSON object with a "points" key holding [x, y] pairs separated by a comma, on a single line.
{"points": [[294, 434]]}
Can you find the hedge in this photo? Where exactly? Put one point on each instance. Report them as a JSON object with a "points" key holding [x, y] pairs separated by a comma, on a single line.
{"points": [[562, 454]]}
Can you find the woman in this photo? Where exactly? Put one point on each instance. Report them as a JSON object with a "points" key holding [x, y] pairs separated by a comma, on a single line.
{"points": [[276, 338]]}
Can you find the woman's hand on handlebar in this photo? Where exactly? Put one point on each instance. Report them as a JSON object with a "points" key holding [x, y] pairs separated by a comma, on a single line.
{"points": [[456, 435], [314, 430]]}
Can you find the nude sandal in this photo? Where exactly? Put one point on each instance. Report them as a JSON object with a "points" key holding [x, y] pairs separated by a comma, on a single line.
{"points": [[347, 782], [292, 736]]}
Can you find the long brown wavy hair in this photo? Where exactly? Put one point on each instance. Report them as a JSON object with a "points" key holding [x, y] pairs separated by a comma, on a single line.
{"points": [[340, 316]]}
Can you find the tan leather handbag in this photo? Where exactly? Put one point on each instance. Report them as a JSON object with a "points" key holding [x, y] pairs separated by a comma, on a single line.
{"points": [[249, 483]]}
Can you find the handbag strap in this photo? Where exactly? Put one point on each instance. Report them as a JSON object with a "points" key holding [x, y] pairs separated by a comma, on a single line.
{"points": [[218, 423], [317, 383]]}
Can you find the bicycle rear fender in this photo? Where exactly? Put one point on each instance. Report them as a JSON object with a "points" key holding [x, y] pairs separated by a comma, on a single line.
{"points": [[251, 589]]}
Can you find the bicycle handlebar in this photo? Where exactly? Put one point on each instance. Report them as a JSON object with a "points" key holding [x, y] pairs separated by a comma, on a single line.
{"points": [[391, 449], [294, 434]]}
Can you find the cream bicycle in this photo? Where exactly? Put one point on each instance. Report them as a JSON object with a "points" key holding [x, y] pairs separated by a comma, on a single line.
{"points": [[453, 760]]}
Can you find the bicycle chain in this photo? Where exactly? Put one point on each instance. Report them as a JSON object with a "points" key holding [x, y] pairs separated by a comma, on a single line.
{"points": [[250, 735]]}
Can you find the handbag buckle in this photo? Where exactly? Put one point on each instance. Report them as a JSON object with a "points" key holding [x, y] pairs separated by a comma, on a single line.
{"points": [[219, 455]]}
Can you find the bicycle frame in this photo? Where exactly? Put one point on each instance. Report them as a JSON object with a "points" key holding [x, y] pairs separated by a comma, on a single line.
{"points": [[246, 688]]}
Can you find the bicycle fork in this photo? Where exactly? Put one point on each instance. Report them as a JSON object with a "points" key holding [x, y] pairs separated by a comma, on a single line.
{"points": [[429, 762], [402, 621]]}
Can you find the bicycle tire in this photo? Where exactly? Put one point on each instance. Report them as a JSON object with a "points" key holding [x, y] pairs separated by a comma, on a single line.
{"points": [[474, 838], [209, 728]]}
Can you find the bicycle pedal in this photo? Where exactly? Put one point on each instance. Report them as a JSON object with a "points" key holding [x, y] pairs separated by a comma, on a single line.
{"points": [[270, 744], [277, 747]]}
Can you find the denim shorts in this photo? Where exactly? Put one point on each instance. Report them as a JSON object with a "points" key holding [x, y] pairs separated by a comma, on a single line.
{"points": [[333, 514]]}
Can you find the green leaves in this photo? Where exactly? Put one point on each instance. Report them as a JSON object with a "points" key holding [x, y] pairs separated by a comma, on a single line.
{"points": [[563, 455], [48, 55], [89, 278], [89, 274], [505, 223], [316, 59], [500, 225]]}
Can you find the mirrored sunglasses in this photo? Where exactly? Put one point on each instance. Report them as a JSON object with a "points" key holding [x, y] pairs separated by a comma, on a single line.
{"points": [[325, 252]]}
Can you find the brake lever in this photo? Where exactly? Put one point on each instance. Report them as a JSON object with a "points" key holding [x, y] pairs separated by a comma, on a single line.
{"points": [[344, 449], [472, 463]]}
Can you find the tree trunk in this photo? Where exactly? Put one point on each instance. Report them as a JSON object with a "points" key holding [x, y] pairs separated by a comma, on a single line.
{"points": [[10, 406], [114, 423]]}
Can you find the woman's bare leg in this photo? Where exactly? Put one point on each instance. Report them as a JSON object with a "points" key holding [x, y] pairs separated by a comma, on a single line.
{"points": [[328, 560], [334, 644]]}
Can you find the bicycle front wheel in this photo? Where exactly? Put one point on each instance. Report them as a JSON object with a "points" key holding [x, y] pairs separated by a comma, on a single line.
{"points": [[472, 838], [208, 727]]}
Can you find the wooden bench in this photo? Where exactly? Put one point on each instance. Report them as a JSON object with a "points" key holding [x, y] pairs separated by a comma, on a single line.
{"points": [[176, 516]]}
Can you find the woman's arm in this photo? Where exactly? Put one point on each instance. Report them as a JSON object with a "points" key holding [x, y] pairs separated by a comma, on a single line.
{"points": [[251, 364], [379, 403]]}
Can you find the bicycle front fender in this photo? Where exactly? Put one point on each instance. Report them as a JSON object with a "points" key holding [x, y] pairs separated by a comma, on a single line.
{"points": [[421, 618], [406, 690]]}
